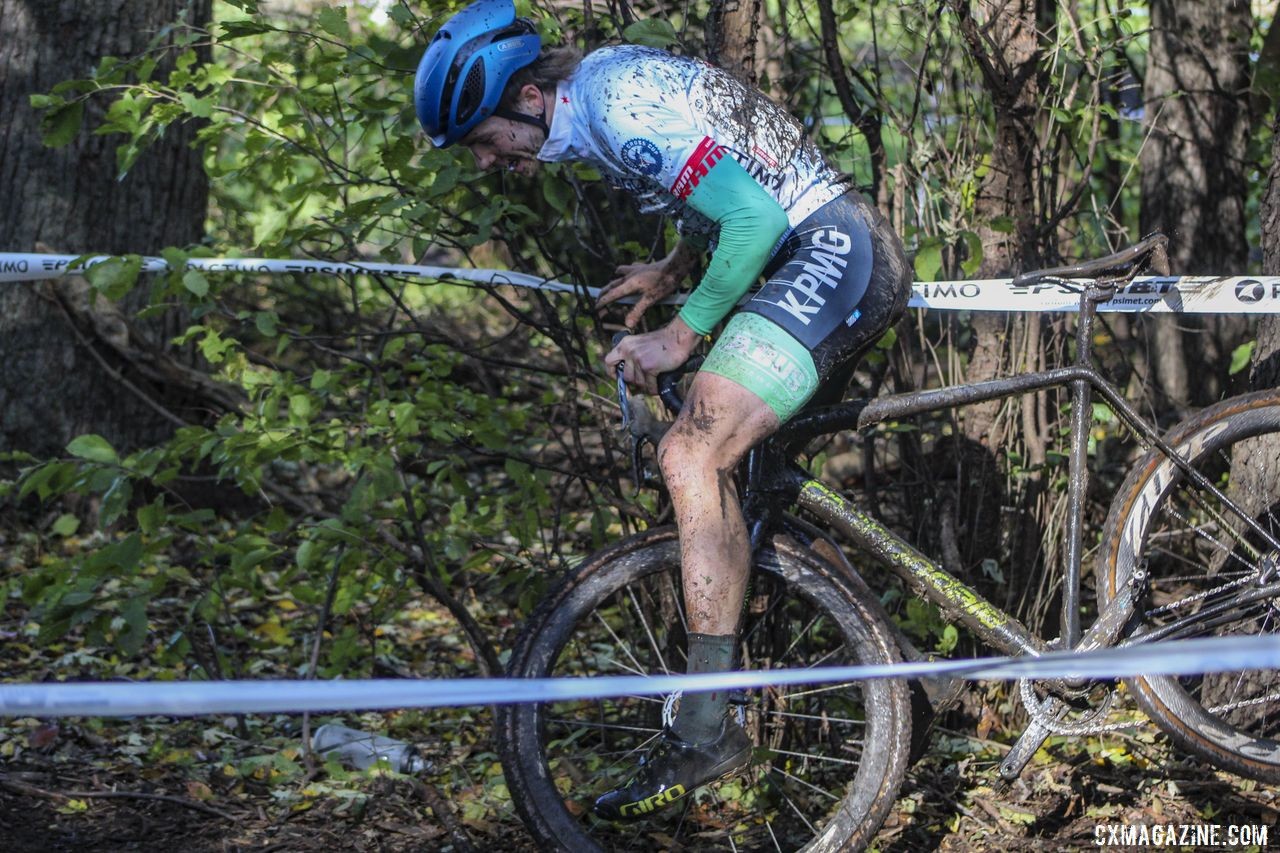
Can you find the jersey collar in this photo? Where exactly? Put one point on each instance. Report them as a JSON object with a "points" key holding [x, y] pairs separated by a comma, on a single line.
{"points": [[559, 144]]}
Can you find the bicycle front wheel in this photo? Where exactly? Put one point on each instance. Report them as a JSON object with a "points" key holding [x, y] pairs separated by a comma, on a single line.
{"points": [[828, 757], [1207, 572]]}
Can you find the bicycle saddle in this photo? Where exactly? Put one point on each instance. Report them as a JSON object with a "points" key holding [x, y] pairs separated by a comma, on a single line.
{"points": [[1125, 264]]}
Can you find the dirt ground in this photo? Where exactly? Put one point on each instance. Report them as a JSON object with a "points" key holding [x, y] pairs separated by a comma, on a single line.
{"points": [[75, 788]]}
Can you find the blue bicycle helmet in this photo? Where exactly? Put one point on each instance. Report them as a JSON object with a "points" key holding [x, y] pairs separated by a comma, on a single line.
{"points": [[466, 67]]}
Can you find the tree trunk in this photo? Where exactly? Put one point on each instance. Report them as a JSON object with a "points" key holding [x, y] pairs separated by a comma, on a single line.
{"points": [[1266, 353], [733, 30], [1196, 95], [867, 119], [68, 199], [1255, 465], [1001, 36]]}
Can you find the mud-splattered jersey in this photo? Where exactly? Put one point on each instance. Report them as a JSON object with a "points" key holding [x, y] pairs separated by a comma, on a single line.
{"points": [[653, 123]]}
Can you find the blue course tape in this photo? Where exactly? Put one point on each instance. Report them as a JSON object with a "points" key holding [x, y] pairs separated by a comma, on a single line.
{"points": [[98, 699]]}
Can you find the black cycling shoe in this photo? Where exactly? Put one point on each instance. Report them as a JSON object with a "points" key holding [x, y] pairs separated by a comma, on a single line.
{"points": [[674, 768]]}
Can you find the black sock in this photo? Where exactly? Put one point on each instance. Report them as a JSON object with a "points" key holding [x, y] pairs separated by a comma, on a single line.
{"points": [[701, 714]]}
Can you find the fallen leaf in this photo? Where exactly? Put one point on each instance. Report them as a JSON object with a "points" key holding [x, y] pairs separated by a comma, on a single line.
{"points": [[44, 737], [197, 790]]}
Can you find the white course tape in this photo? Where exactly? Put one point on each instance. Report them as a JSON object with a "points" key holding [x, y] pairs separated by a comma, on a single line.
{"points": [[16, 267], [1153, 294], [1187, 294], [97, 699]]}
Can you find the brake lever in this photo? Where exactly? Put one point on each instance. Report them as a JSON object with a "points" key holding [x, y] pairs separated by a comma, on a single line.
{"points": [[668, 392], [624, 403]]}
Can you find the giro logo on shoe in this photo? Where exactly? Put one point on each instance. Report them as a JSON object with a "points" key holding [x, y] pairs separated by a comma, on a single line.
{"points": [[657, 801]]}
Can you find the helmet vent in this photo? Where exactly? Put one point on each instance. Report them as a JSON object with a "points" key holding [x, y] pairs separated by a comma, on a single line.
{"points": [[472, 92]]}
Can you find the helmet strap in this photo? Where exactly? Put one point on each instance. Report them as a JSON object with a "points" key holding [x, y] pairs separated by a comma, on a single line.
{"points": [[539, 121]]}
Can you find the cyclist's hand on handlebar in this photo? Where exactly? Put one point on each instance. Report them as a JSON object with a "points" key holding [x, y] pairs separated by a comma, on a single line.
{"points": [[645, 356], [650, 283]]}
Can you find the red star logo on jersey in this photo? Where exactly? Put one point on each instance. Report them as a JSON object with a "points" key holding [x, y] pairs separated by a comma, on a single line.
{"points": [[564, 99]]}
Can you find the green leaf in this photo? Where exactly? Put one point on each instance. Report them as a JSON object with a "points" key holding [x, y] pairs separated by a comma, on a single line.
{"points": [[1002, 224], [651, 32], [973, 245], [558, 194], [1241, 357], [66, 525], [334, 22], [95, 448], [300, 407], [62, 124], [928, 260], [307, 553], [265, 322], [151, 516], [134, 613], [115, 501], [194, 281], [115, 277], [950, 636], [199, 107], [123, 556], [241, 29], [37, 480]]}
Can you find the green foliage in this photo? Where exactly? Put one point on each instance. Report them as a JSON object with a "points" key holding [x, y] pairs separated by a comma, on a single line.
{"points": [[1242, 357], [651, 32], [363, 435]]}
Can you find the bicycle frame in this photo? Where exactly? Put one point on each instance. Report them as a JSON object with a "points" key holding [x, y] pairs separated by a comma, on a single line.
{"points": [[770, 480]]}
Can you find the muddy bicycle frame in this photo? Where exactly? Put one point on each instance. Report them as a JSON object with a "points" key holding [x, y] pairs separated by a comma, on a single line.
{"points": [[772, 482]]}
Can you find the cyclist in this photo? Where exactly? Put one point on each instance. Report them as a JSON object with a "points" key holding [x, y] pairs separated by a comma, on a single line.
{"points": [[738, 173]]}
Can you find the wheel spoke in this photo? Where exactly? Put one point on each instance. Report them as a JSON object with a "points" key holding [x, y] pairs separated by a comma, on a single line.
{"points": [[648, 632], [809, 785], [818, 717]]}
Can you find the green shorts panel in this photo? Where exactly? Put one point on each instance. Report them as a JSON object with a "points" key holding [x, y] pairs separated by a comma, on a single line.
{"points": [[768, 362]]}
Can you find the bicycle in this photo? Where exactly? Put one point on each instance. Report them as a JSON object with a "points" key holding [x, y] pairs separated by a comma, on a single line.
{"points": [[1186, 551]]}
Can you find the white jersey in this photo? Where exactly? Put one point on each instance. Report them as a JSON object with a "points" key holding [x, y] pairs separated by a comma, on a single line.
{"points": [[652, 123]]}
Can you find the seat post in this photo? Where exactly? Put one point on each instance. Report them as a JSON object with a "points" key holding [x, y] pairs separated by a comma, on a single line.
{"points": [[1078, 471]]}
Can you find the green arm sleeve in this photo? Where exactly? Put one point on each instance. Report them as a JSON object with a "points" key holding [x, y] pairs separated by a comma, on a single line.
{"points": [[750, 221]]}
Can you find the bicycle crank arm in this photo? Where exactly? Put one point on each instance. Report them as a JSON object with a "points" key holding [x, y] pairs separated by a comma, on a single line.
{"points": [[1031, 739]]}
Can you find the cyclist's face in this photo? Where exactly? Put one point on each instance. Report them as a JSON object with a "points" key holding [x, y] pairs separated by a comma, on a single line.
{"points": [[499, 143]]}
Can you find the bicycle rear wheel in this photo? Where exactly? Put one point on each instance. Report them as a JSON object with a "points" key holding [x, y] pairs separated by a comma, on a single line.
{"points": [[828, 758], [1207, 574]]}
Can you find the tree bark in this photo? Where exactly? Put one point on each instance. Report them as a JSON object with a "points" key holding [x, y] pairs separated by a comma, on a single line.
{"points": [[68, 199], [1266, 353], [1196, 95], [733, 30], [866, 119], [1001, 37]]}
